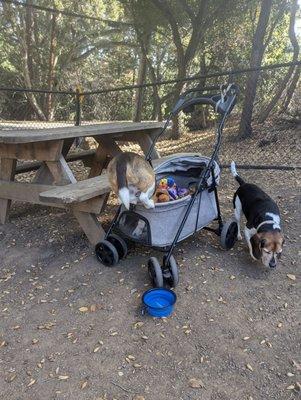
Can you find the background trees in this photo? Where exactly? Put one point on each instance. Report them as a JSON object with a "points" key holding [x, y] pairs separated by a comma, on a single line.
{"points": [[135, 41]]}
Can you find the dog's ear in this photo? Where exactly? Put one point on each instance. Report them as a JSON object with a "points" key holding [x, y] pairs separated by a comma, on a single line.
{"points": [[257, 244]]}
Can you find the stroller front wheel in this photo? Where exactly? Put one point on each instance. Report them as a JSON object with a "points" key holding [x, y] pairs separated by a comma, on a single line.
{"points": [[106, 253], [155, 272], [119, 244], [172, 271], [229, 234]]}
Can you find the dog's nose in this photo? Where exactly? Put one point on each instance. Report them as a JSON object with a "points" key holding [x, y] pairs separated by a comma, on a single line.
{"points": [[272, 264]]}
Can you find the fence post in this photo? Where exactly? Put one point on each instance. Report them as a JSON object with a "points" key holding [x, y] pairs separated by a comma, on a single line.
{"points": [[78, 110]]}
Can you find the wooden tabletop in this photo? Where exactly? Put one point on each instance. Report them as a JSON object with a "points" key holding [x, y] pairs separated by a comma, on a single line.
{"points": [[42, 135]]}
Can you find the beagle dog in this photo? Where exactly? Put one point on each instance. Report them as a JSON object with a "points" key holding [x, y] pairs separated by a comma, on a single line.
{"points": [[262, 231], [132, 179]]}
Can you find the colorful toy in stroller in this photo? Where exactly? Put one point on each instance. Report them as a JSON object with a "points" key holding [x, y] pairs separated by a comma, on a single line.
{"points": [[171, 222]]}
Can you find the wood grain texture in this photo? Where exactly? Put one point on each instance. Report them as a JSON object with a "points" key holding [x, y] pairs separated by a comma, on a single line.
{"points": [[7, 173], [77, 192], [61, 172], [40, 151], [29, 193], [108, 128], [86, 156]]}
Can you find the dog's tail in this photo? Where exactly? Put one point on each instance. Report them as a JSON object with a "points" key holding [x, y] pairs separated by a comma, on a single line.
{"points": [[235, 174], [122, 184]]}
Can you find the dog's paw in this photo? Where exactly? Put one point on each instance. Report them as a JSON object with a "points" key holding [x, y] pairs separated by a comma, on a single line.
{"points": [[149, 204]]}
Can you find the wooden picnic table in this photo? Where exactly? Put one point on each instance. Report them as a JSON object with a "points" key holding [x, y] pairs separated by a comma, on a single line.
{"points": [[54, 183]]}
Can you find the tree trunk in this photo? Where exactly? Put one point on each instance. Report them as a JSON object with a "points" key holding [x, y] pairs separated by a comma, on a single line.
{"points": [[176, 126], [245, 128], [49, 111], [137, 115], [265, 113], [291, 89], [157, 111], [28, 62]]}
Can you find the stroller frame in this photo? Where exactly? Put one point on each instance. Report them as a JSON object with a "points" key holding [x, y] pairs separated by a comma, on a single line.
{"points": [[114, 247]]}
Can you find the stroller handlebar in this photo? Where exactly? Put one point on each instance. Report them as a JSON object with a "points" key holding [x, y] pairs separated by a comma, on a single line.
{"points": [[222, 103]]}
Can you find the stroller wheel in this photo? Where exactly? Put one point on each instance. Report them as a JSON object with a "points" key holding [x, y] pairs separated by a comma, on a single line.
{"points": [[106, 253], [229, 234], [119, 244], [155, 272], [172, 271]]}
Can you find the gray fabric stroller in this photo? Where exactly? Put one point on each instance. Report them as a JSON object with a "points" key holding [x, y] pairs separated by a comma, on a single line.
{"points": [[169, 223]]}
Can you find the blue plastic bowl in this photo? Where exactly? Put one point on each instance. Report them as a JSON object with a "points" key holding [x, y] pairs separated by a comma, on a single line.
{"points": [[159, 302]]}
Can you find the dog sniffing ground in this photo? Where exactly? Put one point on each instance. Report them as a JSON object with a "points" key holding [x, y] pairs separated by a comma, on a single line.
{"points": [[71, 328]]}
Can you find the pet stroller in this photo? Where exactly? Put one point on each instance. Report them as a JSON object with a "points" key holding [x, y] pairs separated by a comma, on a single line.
{"points": [[169, 223]]}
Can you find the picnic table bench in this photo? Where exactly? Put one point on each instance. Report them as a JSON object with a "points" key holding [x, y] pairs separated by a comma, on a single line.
{"points": [[54, 183]]}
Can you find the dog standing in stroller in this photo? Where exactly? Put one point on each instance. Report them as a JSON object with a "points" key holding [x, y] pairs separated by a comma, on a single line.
{"points": [[169, 223]]}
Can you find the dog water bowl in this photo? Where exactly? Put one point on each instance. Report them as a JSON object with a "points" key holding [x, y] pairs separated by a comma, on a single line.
{"points": [[159, 302]]}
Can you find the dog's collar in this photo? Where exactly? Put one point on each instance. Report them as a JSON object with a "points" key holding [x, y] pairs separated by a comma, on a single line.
{"points": [[275, 225]]}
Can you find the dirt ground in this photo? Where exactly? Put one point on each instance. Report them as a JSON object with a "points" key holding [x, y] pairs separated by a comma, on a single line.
{"points": [[72, 328]]}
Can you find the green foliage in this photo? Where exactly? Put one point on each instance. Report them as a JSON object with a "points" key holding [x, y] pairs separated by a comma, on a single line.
{"points": [[104, 54]]}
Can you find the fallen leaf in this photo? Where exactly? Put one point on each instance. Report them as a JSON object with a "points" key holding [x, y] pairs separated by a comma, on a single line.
{"points": [[138, 397], [63, 377], [290, 387], [290, 374], [93, 308], [246, 338], [83, 384], [137, 365], [83, 309], [3, 343], [130, 357], [196, 383], [16, 327], [249, 367], [138, 324], [10, 378], [296, 365], [96, 349], [32, 382], [291, 277]]}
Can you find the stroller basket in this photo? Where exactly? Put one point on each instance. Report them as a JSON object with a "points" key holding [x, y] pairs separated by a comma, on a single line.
{"points": [[157, 226], [163, 226]]}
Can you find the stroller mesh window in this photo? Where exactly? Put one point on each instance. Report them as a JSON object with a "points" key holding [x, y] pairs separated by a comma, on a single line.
{"points": [[134, 226]]}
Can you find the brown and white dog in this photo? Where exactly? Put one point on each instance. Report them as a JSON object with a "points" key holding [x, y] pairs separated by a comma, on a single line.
{"points": [[262, 231], [131, 179]]}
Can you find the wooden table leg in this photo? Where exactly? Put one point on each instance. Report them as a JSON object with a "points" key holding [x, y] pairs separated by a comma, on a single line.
{"points": [[7, 173], [100, 161], [61, 171], [145, 141], [105, 151], [90, 225], [44, 174]]}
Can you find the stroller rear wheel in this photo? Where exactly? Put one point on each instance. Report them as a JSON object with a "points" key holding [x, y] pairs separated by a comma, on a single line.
{"points": [[119, 244], [172, 271], [155, 272], [229, 234], [106, 253]]}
